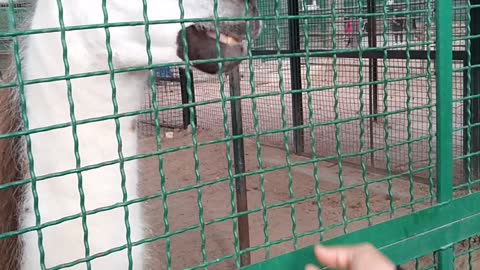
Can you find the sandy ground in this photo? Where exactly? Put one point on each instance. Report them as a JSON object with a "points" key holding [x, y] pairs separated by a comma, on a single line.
{"points": [[410, 98], [183, 210], [409, 104]]}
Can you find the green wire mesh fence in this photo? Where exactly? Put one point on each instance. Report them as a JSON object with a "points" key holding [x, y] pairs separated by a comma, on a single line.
{"points": [[332, 125], [349, 69], [21, 13]]}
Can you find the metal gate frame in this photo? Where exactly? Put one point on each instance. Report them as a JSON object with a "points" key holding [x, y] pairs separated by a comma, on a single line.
{"points": [[403, 239], [449, 221]]}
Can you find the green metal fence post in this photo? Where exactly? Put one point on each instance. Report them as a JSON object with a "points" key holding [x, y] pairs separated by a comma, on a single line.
{"points": [[444, 99], [444, 69]]}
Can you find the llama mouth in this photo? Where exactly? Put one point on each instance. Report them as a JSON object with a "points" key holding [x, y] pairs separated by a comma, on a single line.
{"points": [[224, 38]]}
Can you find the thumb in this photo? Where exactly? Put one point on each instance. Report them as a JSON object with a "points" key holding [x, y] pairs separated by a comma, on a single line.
{"points": [[335, 257]]}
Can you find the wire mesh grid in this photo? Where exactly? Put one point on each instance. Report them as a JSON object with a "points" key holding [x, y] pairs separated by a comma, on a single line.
{"points": [[466, 256], [333, 87], [168, 84], [404, 99], [190, 192], [393, 76], [465, 108], [423, 263], [5, 43]]}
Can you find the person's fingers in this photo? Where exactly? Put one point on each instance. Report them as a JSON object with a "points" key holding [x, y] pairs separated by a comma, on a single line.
{"points": [[360, 256], [335, 257], [311, 267]]}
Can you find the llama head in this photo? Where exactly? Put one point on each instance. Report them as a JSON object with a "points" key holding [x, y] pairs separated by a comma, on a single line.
{"points": [[165, 37], [201, 38], [201, 20]]}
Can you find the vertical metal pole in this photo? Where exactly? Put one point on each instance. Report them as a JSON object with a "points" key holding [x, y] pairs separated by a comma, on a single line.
{"points": [[444, 113], [296, 75], [239, 162], [372, 73], [475, 89], [466, 107], [183, 89]]}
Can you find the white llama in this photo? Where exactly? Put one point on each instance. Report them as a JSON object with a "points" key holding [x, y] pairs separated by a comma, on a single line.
{"points": [[48, 103]]}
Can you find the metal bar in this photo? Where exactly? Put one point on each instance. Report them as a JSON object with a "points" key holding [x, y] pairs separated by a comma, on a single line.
{"points": [[239, 164], [466, 107], [373, 63], [370, 121], [475, 87], [444, 100], [391, 54], [296, 76], [372, 74], [444, 111], [184, 91], [402, 239]]}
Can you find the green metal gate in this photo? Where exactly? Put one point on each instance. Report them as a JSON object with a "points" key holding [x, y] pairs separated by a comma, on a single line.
{"points": [[453, 212], [454, 216]]}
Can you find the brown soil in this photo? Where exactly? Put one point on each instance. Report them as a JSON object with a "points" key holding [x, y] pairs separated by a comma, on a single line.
{"points": [[183, 210]]}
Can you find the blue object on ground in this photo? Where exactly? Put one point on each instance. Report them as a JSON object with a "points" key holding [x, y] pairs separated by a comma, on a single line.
{"points": [[163, 72]]}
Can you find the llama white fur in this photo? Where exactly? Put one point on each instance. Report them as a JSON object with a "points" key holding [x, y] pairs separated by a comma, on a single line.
{"points": [[53, 151]]}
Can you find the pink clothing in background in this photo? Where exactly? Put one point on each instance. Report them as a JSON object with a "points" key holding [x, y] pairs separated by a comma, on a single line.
{"points": [[348, 27]]}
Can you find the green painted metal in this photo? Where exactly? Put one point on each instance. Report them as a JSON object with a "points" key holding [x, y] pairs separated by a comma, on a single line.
{"points": [[437, 229], [6, 48], [268, 37], [402, 239], [472, 88], [444, 115]]}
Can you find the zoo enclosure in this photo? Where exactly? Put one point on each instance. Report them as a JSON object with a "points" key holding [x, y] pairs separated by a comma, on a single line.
{"points": [[418, 53], [375, 16], [453, 217]]}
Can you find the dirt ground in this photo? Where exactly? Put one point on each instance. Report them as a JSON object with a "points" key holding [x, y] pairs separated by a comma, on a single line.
{"points": [[183, 210], [410, 108], [411, 96]]}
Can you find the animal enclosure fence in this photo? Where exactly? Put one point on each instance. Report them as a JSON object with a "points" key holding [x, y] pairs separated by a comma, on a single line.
{"points": [[405, 113], [21, 13], [375, 68]]}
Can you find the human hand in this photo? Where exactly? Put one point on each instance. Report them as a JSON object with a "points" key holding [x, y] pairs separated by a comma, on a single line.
{"points": [[356, 257]]}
